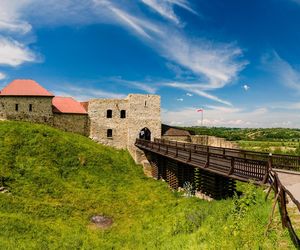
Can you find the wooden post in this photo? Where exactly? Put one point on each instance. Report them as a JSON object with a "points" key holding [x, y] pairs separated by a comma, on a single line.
{"points": [[231, 170], [270, 162], [207, 158], [190, 155], [283, 208]]}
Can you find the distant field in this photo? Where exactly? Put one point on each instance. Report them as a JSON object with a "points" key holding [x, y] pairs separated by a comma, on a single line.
{"points": [[250, 134], [280, 147], [274, 140]]}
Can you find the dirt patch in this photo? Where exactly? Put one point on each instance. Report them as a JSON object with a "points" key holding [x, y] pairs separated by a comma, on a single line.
{"points": [[101, 221]]}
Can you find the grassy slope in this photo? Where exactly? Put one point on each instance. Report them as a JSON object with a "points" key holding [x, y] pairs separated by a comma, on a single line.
{"points": [[59, 180]]}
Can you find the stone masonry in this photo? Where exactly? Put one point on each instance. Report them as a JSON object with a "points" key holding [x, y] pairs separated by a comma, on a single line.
{"points": [[113, 122], [141, 111], [75, 123], [18, 108]]}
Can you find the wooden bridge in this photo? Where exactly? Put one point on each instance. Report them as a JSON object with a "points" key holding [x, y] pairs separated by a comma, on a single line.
{"points": [[213, 170]]}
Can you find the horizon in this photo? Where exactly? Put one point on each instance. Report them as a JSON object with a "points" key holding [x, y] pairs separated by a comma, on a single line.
{"points": [[238, 61]]}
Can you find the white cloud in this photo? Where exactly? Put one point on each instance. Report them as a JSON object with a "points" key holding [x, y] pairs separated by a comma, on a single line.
{"points": [[218, 63], [2, 76], [179, 99], [11, 18], [246, 87], [283, 72], [197, 89], [13, 53], [232, 117], [84, 94], [145, 86], [166, 8], [189, 94], [140, 26], [212, 65]]}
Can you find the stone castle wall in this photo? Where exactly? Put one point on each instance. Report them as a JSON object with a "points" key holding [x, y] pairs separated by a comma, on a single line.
{"points": [[141, 111], [41, 109], [183, 138], [76, 123], [144, 112], [213, 141], [99, 123]]}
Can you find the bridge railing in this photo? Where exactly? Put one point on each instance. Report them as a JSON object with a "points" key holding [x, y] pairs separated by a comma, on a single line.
{"points": [[278, 161], [232, 166], [281, 194]]}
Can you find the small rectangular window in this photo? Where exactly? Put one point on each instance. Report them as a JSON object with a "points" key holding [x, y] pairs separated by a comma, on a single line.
{"points": [[17, 107], [109, 133], [123, 114], [109, 113], [30, 107]]}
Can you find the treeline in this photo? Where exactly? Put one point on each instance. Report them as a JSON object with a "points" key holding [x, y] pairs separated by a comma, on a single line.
{"points": [[249, 134]]}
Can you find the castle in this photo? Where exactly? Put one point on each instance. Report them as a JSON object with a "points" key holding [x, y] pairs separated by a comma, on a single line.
{"points": [[113, 122]]}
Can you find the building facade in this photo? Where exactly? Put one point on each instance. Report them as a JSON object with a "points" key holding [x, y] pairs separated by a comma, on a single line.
{"points": [[113, 122]]}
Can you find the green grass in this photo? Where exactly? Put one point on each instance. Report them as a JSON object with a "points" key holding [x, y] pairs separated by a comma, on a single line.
{"points": [[279, 147], [249, 134], [58, 180]]}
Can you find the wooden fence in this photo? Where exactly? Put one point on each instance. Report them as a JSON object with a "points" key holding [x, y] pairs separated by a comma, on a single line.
{"points": [[281, 194], [278, 161], [210, 159]]}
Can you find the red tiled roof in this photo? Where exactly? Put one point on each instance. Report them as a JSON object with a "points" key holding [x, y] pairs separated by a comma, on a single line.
{"points": [[67, 105], [24, 88], [85, 105]]}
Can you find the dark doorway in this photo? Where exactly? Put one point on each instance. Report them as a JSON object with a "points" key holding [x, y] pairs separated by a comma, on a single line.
{"points": [[145, 134]]}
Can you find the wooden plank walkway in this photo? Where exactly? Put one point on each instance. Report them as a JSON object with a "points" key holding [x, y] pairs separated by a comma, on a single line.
{"points": [[232, 164]]}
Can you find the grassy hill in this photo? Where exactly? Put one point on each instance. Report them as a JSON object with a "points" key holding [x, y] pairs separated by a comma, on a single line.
{"points": [[57, 181]]}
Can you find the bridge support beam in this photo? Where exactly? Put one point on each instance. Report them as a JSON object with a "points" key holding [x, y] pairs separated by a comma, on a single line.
{"points": [[176, 174], [213, 185]]}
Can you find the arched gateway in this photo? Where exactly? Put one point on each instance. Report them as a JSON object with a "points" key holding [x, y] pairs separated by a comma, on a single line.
{"points": [[145, 134]]}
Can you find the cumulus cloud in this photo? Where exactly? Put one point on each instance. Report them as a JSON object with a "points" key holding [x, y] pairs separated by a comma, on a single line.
{"points": [[13, 53], [179, 99], [189, 94]]}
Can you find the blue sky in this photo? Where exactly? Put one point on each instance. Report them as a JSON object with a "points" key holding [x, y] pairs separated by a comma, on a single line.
{"points": [[238, 60]]}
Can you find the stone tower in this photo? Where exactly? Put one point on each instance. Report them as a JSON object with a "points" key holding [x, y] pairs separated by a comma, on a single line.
{"points": [[118, 122]]}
